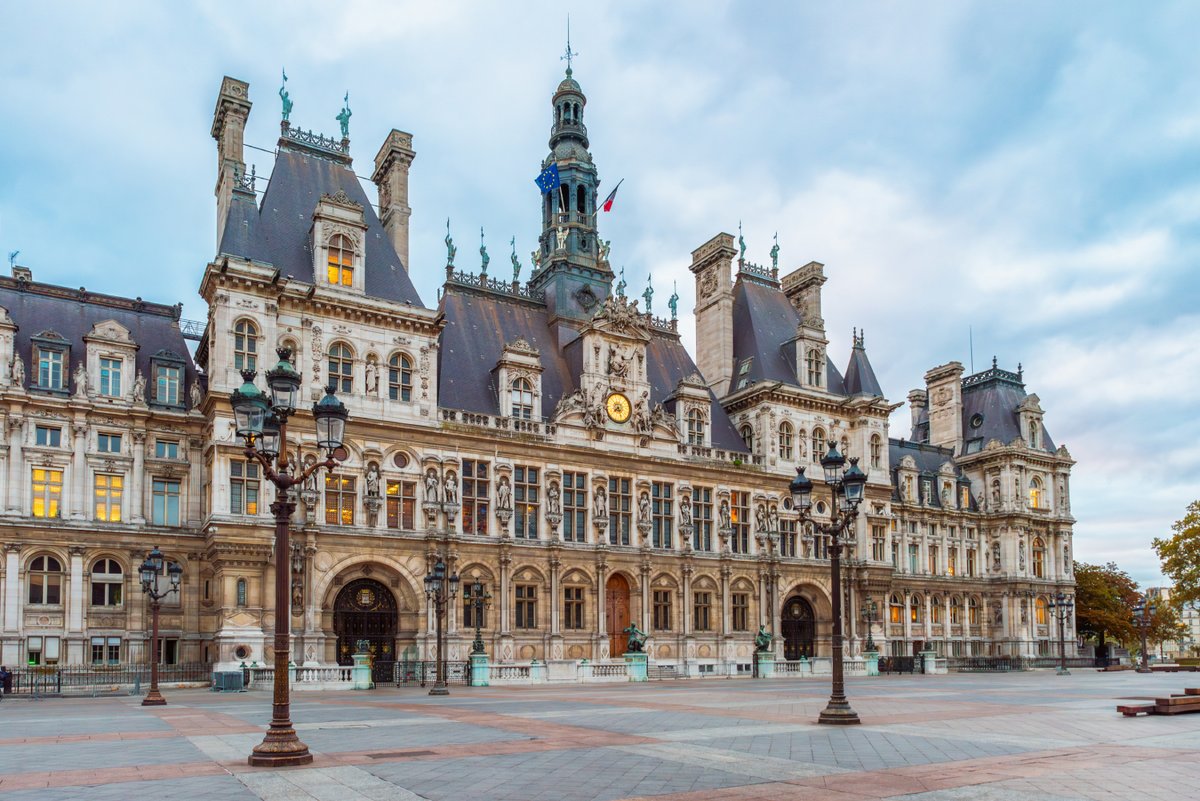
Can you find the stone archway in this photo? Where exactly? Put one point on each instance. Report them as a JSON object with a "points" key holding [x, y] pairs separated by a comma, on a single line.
{"points": [[798, 625], [366, 610]]}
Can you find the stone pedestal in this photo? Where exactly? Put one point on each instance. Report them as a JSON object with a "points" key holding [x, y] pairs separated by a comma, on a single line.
{"points": [[361, 672], [635, 666], [537, 672], [766, 664], [479, 670], [929, 662], [872, 662]]}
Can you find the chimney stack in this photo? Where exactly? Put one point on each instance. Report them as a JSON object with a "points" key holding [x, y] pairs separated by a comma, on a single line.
{"points": [[944, 385], [229, 128], [712, 264], [918, 399], [391, 178]]}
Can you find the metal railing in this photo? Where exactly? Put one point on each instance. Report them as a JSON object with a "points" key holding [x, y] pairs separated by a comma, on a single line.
{"points": [[57, 679], [409, 672]]}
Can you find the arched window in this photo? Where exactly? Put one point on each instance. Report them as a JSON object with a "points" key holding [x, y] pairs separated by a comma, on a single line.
{"points": [[45, 580], [400, 377], [245, 346], [818, 444], [341, 367], [695, 427], [896, 610], [107, 582], [876, 452], [955, 611], [914, 608], [241, 592], [522, 399], [1040, 606], [973, 611], [747, 434], [935, 609], [815, 366], [785, 440], [1039, 558], [340, 260], [580, 200], [1035, 493]]}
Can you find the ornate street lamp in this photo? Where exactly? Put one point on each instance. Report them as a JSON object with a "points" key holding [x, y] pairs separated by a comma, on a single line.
{"points": [[262, 422], [1061, 607], [869, 614], [480, 600], [846, 493], [1143, 616], [150, 573], [440, 590]]}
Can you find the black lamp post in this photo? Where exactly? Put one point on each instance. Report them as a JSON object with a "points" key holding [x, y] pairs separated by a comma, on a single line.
{"points": [[1061, 607], [480, 599], [846, 493], [440, 590], [869, 615], [1143, 616], [151, 572], [262, 423]]}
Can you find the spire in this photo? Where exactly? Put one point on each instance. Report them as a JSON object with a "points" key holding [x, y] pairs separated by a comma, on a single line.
{"points": [[567, 56], [860, 376]]}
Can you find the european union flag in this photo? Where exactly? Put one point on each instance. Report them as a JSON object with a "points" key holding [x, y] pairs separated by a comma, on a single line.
{"points": [[548, 180]]}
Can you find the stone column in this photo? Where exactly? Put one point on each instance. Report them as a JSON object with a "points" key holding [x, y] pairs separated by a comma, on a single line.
{"points": [[601, 612], [78, 493], [907, 618], [18, 481], [504, 602], [75, 606], [10, 644], [137, 479]]}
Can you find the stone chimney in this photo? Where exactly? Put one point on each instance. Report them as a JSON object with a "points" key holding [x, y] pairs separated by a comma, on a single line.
{"points": [[229, 128], [391, 178], [918, 399], [944, 385], [712, 264], [803, 290]]}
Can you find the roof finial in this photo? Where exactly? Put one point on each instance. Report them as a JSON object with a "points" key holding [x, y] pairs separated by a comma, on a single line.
{"points": [[1020, 372], [567, 56], [741, 245], [993, 362]]}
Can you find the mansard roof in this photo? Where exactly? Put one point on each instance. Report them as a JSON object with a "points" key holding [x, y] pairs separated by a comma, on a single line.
{"points": [[279, 231], [479, 323], [928, 460], [764, 330], [72, 313]]}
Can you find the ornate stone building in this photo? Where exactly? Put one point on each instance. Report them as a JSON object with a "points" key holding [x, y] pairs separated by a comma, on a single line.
{"points": [[548, 437]]}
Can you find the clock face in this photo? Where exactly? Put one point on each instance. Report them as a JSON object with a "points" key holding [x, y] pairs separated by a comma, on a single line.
{"points": [[618, 407]]}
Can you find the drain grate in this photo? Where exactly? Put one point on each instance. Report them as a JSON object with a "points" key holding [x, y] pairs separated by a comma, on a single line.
{"points": [[395, 754]]}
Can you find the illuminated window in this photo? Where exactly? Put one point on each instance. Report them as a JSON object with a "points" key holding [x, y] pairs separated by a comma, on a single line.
{"points": [[108, 491], [107, 582], [339, 500], [914, 609], [1035, 493], [522, 399], [402, 505], [739, 516], [786, 437], [400, 377], [245, 346], [47, 491], [243, 488], [895, 610], [45, 581], [1040, 606], [952, 561], [341, 367], [340, 253]]}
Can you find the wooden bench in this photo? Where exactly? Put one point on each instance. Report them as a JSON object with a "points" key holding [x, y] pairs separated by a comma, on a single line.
{"points": [[1177, 704], [1133, 710]]}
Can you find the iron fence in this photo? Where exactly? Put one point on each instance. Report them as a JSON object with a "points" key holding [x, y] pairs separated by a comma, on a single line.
{"points": [[56, 679], [900, 664], [410, 672]]}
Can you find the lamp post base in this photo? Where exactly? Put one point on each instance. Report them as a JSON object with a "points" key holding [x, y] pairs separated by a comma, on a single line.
{"points": [[439, 689], [1144, 670], [154, 698], [281, 748], [838, 715], [1062, 671]]}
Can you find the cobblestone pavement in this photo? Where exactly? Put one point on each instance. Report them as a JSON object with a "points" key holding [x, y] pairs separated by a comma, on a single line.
{"points": [[939, 738]]}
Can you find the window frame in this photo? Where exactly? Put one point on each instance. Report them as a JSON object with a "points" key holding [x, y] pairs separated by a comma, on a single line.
{"points": [[45, 579], [245, 345], [108, 583], [702, 610], [662, 515], [401, 497], [49, 496], [475, 497], [661, 610], [112, 369], [739, 519], [525, 606], [574, 506], [339, 269], [520, 395], [160, 510], [340, 499], [108, 494], [400, 372], [787, 435], [339, 361], [620, 509], [245, 480], [527, 506]]}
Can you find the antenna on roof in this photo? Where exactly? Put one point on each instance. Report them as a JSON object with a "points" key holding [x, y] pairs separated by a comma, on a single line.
{"points": [[12, 258], [971, 335]]}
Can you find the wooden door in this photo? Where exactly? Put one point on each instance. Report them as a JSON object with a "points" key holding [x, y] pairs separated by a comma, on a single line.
{"points": [[616, 614], [798, 626]]}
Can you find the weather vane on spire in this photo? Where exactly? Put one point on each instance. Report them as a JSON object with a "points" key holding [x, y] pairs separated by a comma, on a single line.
{"points": [[567, 56]]}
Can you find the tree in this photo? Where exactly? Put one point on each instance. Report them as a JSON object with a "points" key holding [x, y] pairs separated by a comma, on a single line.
{"points": [[1104, 599], [1165, 625], [1180, 556]]}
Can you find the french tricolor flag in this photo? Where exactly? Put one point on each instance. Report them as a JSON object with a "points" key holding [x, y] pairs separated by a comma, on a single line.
{"points": [[608, 201]]}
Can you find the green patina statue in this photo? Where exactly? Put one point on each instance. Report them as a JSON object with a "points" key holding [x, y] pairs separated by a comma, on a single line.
{"points": [[637, 639], [621, 284], [762, 640], [343, 118], [673, 302], [741, 243], [287, 100], [451, 250], [516, 263], [775, 253], [483, 254], [649, 293]]}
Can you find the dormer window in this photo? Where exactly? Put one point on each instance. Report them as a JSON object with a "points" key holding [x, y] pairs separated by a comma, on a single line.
{"points": [[695, 427], [815, 366], [50, 356], [245, 346], [1034, 427], [522, 399], [110, 377], [340, 260], [166, 384]]}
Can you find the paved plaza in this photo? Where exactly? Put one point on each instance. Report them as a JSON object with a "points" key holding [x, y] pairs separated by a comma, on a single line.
{"points": [[992, 737]]}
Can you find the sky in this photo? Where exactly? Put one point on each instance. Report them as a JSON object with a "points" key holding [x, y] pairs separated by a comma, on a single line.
{"points": [[1022, 175]]}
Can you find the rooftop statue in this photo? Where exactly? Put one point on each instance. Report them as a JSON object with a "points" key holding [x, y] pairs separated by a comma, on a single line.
{"points": [[450, 249], [775, 253], [649, 293], [621, 284], [287, 100], [343, 118], [516, 263], [483, 254], [673, 302], [741, 243]]}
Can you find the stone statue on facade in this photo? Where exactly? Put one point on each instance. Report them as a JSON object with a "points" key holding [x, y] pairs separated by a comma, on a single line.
{"points": [[534, 259], [450, 488], [1021, 556], [81, 380], [723, 516], [195, 395], [372, 480], [773, 518], [600, 503], [685, 511], [605, 249], [553, 496], [372, 376], [760, 519], [561, 235], [642, 422], [18, 371], [139, 388], [343, 117], [644, 507], [995, 556], [618, 362], [432, 486], [503, 495]]}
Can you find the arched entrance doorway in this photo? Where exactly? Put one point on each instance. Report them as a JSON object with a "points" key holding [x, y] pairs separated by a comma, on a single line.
{"points": [[798, 626], [616, 613], [366, 610]]}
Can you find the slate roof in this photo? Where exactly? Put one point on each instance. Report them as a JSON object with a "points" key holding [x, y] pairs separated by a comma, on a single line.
{"points": [[278, 232], [71, 313], [929, 460], [994, 395], [860, 377], [764, 327], [478, 324]]}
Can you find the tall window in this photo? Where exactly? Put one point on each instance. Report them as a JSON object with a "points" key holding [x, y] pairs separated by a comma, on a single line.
{"points": [[108, 443], [47, 436], [245, 346], [240, 593], [876, 452], [45, 581], [243, 488], [526, 502], [106, 583], [787, 538], [106, 650], [952, 561], [522, 399], [402, 505], [786, 437], [935, 609], [914, 557], [573, 608], [574, 507], [695, 427], [814, 365], [47, 491], [818, 444], [702, 611], [955, 612], [739, 516], [914, 608], [1040, 607], [166, 449], [475, 486], [164, 507], [662, 516], [108, 491], [50, 368], [971, 562], [1035, 493], [339, 499], [973, 611], [340, 260], [400, 377], [747, 435], [526, 606], [740, 602], [1039, 558], [933, 560], [110, 377], [1034, 430], [620, 502], [661, 619], [166, 384], [702, 518], [878, 543], [895, 610], [341, 367]]}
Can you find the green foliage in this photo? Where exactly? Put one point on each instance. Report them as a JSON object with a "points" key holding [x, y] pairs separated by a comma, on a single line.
{"points": [[1104, 599], [1180, 556]]}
